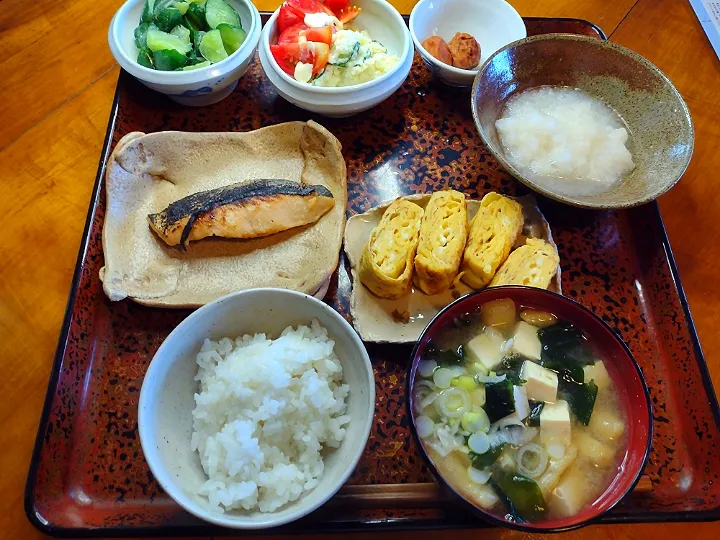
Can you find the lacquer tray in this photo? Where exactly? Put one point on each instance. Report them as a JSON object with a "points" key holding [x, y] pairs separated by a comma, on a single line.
{"points": [[88, 476]]}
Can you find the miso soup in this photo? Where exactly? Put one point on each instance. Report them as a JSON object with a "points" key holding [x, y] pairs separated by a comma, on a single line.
{"points": [[519, 413]]}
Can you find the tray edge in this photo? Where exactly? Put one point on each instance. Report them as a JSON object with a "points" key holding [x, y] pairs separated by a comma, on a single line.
{"points": [[29, 496], [385, 525]]}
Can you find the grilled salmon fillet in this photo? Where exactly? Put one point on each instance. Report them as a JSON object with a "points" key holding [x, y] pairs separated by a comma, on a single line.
{"points": [[243, 210]]}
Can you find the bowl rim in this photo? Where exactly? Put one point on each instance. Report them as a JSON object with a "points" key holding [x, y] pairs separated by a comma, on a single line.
{"points": [[476, 509], [606, 44], [441, 65], [227, 520], [395, 17], [155, 76]]}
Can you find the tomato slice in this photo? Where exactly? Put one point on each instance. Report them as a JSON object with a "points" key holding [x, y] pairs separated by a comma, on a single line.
{"points": [[303, 7], [320, 35], [287, 55], [348, 13], [287, 18], [321, 56], [291, 34], [336, 6]]}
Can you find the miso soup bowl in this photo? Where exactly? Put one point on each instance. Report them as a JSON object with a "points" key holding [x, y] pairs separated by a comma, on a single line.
{"points": [[622, 367]]}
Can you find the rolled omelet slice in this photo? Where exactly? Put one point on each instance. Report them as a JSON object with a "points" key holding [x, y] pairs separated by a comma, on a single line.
{"points": [[386, 264], [533, 264], [493, 232], [443, 234]]}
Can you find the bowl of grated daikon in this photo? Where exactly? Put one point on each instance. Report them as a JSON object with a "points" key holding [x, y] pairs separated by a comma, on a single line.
{"points": [[583, 121]]}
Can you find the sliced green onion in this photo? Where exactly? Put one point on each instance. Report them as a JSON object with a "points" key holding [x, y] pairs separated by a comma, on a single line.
{"points": [[453, 402], [442, 377], [426, 367], [478, 477], [532, 460], [475, 421], [479, 442], [424, 426]]}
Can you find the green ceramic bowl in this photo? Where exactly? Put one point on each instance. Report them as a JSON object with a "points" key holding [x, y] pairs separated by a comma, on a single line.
{"points": [[661, 131]]}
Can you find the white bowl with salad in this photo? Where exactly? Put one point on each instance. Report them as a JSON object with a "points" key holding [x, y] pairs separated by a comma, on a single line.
{"points": [[336, 58], [194, 51]]}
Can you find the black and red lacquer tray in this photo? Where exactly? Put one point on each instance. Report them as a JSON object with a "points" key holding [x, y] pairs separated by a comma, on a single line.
{"points": [[88, 476]]}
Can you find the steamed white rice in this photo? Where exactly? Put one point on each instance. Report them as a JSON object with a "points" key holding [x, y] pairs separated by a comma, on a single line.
{"points": [[265, 411]]}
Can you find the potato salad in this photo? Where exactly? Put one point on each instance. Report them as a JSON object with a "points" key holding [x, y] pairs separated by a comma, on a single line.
{"points": [[315, 47]]}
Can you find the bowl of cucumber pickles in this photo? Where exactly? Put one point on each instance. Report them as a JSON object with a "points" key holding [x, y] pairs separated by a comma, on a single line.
{"points": [[194, 51]]}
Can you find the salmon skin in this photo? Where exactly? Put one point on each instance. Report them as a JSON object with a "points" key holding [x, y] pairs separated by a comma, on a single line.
{"points": [[243, 210]]}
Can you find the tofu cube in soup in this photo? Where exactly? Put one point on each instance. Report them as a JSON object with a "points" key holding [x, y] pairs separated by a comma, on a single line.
{"points": [[597, 373], [555, 423], [486, 348], [606, 426], [541, 384], [522, 406], [526, 341], [570, 495], [599, 453]]}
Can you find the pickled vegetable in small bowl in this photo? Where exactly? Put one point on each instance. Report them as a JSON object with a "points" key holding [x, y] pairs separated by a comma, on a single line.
{"points": [[192, 50], [177, 35], [530, 408]]}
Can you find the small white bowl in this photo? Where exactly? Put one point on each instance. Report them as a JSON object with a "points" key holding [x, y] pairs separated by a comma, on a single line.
{"points": [[493, 23], [383, 23], [197, 87], [167, 398]]}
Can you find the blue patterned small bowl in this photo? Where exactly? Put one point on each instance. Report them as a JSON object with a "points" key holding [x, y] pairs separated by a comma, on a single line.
{"points": [[195, 88]]}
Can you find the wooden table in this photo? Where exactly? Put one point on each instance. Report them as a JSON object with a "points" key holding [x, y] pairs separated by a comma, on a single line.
{"points": [[57, 82]]}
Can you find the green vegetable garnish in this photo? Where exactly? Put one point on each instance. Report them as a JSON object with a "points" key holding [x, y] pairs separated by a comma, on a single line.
{"points": [[565, 369], [147, 14], [565, 345], [168, 18], [343, 60], [580, 398], [196, 37], [232, 37], [218, 12], [445, 357], [158, 41], [182, 7], [141, 34], [522, 495], [169, 29], [535, 410], [499, 401], [181, 32], [483, 461], [195, 16], [200, 65], [145, 58], [168, 60], [511, 367], [211, 46]]}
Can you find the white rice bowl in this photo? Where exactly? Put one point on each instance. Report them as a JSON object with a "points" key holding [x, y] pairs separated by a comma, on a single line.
{"points": [[265, 412]]}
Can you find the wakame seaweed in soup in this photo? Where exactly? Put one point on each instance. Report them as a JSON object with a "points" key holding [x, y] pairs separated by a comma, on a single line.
{"points": [[519, 413]]}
